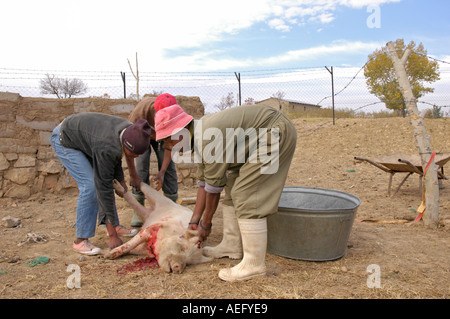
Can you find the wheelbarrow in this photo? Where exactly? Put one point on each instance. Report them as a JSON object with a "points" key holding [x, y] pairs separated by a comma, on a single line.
{"points": [[407, 164]]}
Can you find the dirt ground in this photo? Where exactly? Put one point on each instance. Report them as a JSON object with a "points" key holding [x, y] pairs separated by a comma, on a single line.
{"points": [[413, 260]]}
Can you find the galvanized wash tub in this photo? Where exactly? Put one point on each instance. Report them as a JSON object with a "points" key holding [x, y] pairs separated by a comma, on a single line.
{"points": [[311, 223]]}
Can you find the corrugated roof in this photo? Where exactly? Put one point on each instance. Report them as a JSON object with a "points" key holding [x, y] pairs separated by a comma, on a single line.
{"points": [[290, 101]]}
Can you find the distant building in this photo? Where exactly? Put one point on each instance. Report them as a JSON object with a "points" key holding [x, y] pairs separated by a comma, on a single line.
{"points": [[288, 106]]}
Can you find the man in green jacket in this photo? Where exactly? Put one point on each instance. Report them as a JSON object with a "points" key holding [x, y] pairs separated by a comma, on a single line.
{"points": [[247, 150]]}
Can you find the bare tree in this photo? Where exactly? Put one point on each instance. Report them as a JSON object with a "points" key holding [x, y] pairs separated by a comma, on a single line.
{"points": [[226, 102], [62, 88], [279, 95], [156, 92], [249, 101]]}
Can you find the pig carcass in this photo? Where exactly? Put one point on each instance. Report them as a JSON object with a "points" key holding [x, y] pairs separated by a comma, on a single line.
{"points": [[164, 234]]}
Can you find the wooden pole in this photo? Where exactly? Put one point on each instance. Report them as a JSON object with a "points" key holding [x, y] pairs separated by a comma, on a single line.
{"points": [[122, 74], [238, 77], [136, 76], [422, 139], [332, 91]]}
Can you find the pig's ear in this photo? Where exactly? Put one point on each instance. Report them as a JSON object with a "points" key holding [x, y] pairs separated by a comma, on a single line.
{"points": [[192, 235], [164, 265], [195, 256]]}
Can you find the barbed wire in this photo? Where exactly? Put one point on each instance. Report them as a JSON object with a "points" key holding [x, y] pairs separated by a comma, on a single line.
{"points": [[305, 84]]}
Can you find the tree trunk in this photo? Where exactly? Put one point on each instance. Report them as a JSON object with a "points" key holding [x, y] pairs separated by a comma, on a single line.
{"points": [[422, 139]]}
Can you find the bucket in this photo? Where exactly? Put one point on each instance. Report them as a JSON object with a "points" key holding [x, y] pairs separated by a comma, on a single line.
{"points": [[311, 224]]}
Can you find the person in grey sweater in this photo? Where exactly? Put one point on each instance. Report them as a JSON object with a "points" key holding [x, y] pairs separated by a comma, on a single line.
{"points": [[91, 146]]}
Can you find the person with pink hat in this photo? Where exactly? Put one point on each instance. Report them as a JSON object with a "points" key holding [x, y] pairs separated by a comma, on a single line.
{"points": [[91, 146], [252, 192], [166, 178]]}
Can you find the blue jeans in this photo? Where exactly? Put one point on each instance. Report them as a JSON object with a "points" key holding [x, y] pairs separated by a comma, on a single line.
{"points": [[81, 170]]}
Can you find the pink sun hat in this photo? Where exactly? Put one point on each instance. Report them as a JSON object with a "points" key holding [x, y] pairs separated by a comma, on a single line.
{"points": [[170, 120]]}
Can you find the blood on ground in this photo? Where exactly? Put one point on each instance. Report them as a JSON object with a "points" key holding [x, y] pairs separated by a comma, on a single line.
{"points": [[139, 265]]}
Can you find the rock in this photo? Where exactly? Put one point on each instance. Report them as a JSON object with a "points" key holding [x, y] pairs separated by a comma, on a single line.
{"points": [[26, 160], [446, 222], [50, 167], [11, 222], [18, 191], [4, 164], [21, 175], [14, 260]]}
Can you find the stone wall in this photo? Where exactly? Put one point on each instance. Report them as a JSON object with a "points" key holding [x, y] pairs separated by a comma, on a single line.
{"points": [[28, 164]]}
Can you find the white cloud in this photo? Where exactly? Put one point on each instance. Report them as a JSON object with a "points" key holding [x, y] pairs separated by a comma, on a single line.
{"points": [[101, 34], [321, 11], [207, 61], [279, 24], [358, 4], [338, 47], [323, 18]]}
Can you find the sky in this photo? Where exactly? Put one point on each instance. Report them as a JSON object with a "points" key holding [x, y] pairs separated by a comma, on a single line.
{"points": [[214, 35]]}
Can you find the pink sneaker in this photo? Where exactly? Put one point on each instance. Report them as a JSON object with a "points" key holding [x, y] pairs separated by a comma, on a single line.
{"points": [[123, 231], [127, 232], [86, 248]]}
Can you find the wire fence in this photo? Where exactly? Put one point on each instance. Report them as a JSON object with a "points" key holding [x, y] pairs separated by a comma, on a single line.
{"points": [[312, 85]]}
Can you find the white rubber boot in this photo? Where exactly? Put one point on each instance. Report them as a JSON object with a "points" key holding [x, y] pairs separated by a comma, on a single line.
{"points": [[254, 242], [231, 244]]}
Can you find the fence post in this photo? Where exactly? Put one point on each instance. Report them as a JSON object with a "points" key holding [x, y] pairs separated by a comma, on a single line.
{"points": [[238, 77], [332, 91], [431, 186], [124, 85]]}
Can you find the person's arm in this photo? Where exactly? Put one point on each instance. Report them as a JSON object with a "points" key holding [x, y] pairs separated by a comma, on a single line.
{"points": [[123, 183], [205, 224], [159, 179], [200, 205], [205, 208], [135, 181]]}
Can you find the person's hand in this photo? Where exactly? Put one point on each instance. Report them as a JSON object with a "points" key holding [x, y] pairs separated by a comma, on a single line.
{"points": [[203, 231], [135, 182], [159, 180], [120, 187], [193, 226]]}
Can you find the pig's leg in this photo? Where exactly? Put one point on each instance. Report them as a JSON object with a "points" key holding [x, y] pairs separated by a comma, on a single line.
{"points": [[147, 190], [142, 249], [142, 212], [141, 237]]}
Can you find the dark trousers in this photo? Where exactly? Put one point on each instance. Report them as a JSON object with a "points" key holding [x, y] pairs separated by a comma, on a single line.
{"points": [[170, 185]]}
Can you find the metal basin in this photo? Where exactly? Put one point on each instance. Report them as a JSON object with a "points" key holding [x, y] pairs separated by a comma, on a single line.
{"points": [[311, 223]]}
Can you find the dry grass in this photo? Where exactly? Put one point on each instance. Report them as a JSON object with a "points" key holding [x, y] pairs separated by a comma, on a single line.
{"points": [[413, 260]]}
